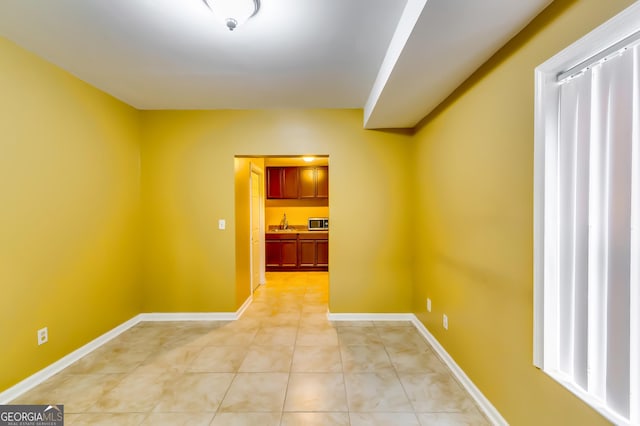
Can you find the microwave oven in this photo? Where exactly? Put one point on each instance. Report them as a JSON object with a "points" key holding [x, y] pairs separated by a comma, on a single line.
{"points": [[318, 224]]}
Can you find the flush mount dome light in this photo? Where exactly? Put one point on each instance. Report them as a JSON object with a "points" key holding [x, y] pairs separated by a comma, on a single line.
{"points": [[233, 12]]}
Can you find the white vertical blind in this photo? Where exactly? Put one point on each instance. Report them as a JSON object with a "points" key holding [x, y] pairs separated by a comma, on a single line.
{"points": [[634, 290], [592, 218]]}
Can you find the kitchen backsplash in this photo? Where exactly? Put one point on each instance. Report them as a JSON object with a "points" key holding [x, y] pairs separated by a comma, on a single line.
{"points": [[295, 215]]}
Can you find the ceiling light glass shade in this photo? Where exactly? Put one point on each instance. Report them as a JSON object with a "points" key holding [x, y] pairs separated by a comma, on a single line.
{"points": [[233, 12]]}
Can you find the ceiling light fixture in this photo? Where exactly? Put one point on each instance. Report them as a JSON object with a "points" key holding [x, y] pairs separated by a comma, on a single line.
{"points": [[233, 12]]}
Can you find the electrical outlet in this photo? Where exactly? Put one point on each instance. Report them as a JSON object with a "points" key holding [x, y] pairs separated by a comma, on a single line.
{"points": [[222, 224], [43, 336], [428, 304], [445, 322]]}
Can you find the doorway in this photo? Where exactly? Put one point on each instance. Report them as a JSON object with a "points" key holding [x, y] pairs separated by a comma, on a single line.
{"points": [[258, 214]]}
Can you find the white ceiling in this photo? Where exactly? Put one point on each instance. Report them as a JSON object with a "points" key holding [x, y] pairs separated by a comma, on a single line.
{"points": [[397, 59]]}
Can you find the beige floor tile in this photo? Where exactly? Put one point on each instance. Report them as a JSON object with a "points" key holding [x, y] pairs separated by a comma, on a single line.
{"points": [[315, 419], [278, 335], [289, 319], [358, 336], [265, 359], [228, 336], [383, 324], [410, 360], [310, 319], [178, 419], [245, 323], [104, 419], [452, 419], [112, 358], [316, 392], [246, 419], [194, 392], [353, 323], [42, 394], [383, 419], [436, 393], [402, 338], [218, 359], [315, 308], [134, 393], [187, 333], [316, 359], [79, 392], [325, 336], [256, 392], [376, 392], [369, 358], [174, 360]]}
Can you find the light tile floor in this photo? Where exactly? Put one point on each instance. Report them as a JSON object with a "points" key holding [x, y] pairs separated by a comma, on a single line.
{"points": [[283, 363]]}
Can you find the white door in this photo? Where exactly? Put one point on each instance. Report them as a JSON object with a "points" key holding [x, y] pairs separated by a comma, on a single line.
{"points": [[257, 243]]}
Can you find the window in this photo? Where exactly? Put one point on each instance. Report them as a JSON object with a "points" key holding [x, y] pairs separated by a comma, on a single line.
{"points": [[587, 218]]}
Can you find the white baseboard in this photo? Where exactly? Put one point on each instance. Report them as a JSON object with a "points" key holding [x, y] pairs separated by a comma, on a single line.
{"points": [[244, 307], [370, 317], [47, 372], [35, 379], [485, 405]]}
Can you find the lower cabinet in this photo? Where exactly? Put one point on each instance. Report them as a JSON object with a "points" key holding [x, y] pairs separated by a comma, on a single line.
{"points": [[313, 252], [281, 251], [297, 252]]}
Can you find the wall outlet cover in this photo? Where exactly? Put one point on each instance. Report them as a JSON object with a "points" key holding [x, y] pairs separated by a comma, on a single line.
{"points": [[43, 336], [428, 304], [445, 322]]}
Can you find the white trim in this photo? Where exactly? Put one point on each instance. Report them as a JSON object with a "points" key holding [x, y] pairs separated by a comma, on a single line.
{"points": [[52, 369], [484, 404], [35, 379], [244, 307], [369, 317]]}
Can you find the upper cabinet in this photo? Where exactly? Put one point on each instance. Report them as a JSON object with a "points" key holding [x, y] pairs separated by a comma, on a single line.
{"points": [[282, 182], [297, 182], [314, 182]]}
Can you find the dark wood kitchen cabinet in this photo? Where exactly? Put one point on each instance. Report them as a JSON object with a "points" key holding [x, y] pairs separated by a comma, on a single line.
{"points": [[314, 182], [305, 251], [282, 182], [313, 251], [281, 251]]}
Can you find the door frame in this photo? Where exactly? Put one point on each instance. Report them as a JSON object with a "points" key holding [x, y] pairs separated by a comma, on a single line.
{"points": [[256, 171]]}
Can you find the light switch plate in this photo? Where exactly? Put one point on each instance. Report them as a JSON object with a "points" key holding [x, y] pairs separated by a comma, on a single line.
{"points": [[428, 304], [222, 224]]}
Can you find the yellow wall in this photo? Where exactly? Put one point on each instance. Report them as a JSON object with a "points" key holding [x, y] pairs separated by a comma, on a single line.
{"points": [[474, 215], [69, 205], [188, 184]]}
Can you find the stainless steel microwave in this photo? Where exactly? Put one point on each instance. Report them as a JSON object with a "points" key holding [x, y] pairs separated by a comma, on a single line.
{"points": [[318, 224]]}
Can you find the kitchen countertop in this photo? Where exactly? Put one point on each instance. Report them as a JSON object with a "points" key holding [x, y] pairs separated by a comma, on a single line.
{"points": [[294, 230]]}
